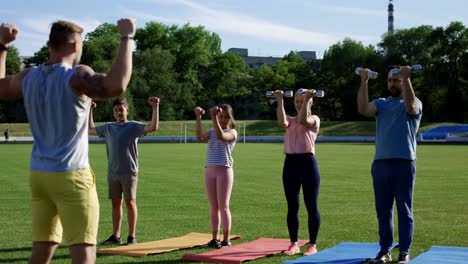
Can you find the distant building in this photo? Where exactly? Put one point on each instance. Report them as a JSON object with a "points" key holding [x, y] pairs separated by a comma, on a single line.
{"points": [[256, 62]]}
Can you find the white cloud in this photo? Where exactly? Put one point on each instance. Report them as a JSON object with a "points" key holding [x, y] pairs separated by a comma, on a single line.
{"points": [[354, 11], [223, 21], [147, 17], [34, 33]]}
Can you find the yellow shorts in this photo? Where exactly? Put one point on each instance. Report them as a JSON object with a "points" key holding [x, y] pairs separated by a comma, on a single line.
{"points": [[67, 199]]}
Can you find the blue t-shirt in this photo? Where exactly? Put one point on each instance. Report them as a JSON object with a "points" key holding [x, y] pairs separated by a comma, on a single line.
{"points": [[395, 129], [121, 145]]}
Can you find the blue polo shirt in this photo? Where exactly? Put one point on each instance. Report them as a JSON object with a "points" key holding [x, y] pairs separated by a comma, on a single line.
{"points": [[395, 129]]}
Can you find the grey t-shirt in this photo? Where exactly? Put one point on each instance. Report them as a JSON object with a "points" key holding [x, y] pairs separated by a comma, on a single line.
{"points": [[121, 145]]}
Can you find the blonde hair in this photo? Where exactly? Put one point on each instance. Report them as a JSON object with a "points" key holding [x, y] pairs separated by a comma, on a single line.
{"points": [[228, 109]]}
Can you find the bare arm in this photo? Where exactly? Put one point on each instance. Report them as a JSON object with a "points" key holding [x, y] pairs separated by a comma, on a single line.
{"points": [[101, 86], [154, 125], [409, 97], [305, 116], [3, 56], [91, 126], [220, 134], [11, 86], [280, 113], [365, 108], [201, 136]]}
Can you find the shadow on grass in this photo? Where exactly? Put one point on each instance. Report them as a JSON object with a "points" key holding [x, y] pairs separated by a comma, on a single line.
{"points": [[6, 250], [10, 250], [23, 260]]}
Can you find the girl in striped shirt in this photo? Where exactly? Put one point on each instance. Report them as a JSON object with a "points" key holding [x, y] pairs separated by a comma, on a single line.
{"points": [[219, 175]]}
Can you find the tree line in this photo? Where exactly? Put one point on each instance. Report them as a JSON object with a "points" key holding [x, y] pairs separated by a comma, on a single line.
{"points": [[185, 67]]}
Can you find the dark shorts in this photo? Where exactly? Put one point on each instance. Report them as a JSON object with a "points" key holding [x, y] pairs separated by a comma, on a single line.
{"points": [[123, 184]]}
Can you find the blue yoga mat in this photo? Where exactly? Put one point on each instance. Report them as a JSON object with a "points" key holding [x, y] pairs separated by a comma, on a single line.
{"points": [[445, 255], [343, 253]]}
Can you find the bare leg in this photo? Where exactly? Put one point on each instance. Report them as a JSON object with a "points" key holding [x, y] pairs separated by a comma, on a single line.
{"points": [[210, 184], [116, 216], [83, 254], [224, 184], [132, 216], [42, 252]]}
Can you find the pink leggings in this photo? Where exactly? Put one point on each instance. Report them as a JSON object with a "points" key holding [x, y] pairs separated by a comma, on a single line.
{"points": [[218, 183]]}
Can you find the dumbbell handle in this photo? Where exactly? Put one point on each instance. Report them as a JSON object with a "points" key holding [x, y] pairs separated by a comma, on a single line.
{"points": [[414, 68], [370, 74], [318, 93], [270, 94]]}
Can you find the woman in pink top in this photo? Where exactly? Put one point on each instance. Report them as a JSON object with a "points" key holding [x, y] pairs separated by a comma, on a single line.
{"points": [[300, 167]]}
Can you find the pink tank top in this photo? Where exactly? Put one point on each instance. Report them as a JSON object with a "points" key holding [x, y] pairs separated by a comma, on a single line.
{"points": [[298, 138]]}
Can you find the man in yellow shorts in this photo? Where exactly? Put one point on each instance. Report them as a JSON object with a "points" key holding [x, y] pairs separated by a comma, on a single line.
{"points": [[60, 92]]}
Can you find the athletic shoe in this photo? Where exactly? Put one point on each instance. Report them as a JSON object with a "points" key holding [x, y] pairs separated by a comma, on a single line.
{"points": [[214, 243], [131, 240], [225, 243], [112, 240], [403, 258], [310, 250], [292, 250], [382, 257]]}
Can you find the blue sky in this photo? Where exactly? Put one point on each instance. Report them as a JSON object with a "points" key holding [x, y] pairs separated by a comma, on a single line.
{"points": [[266, 28]]}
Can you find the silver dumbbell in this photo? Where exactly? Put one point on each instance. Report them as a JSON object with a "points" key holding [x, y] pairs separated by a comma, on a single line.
{"points": [[288, 94], [318, 93], [370, 74], [414, 68]]}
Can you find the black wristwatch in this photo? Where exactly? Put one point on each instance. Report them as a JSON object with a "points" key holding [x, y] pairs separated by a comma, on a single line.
{"points": [[3, 47]]}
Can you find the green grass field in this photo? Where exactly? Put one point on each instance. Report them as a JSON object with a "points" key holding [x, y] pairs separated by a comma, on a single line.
{"points": [[252, 128], [172, 200]]}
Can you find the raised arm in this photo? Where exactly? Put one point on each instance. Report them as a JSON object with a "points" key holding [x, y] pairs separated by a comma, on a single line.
{"points": [[201, 136], [91, 126], [409, 97], [280, 113], [365, 108], [305, 116], [11, 86], [154, 125], [220, 134], [101, 86]]}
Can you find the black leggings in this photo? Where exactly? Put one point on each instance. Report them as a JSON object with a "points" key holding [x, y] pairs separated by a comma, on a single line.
{"points": [[302, 169]]}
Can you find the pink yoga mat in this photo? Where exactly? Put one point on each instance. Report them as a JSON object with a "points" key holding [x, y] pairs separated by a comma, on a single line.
{"points": [[259, 248]]}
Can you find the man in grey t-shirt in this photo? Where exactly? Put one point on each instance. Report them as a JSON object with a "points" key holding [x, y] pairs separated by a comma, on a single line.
{"points": [[121, 139]]}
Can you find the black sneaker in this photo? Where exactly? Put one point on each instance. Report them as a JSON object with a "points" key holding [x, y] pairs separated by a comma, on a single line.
{"points": [[214, 243], [225, 243], [403, 258], [112, 240], [131, 240], [382, 257]]}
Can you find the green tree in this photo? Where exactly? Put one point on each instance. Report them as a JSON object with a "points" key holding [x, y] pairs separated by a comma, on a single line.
{"points": [[339, 81], [39, 57], [100, 47], [154, 75], [13, 62], [12, 111]]}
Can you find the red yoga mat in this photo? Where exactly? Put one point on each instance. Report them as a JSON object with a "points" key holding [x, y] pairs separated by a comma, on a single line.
{"points": [[259, 248]]}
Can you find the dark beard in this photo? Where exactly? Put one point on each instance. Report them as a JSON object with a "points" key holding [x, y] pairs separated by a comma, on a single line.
{"points": [[394, 92]]}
